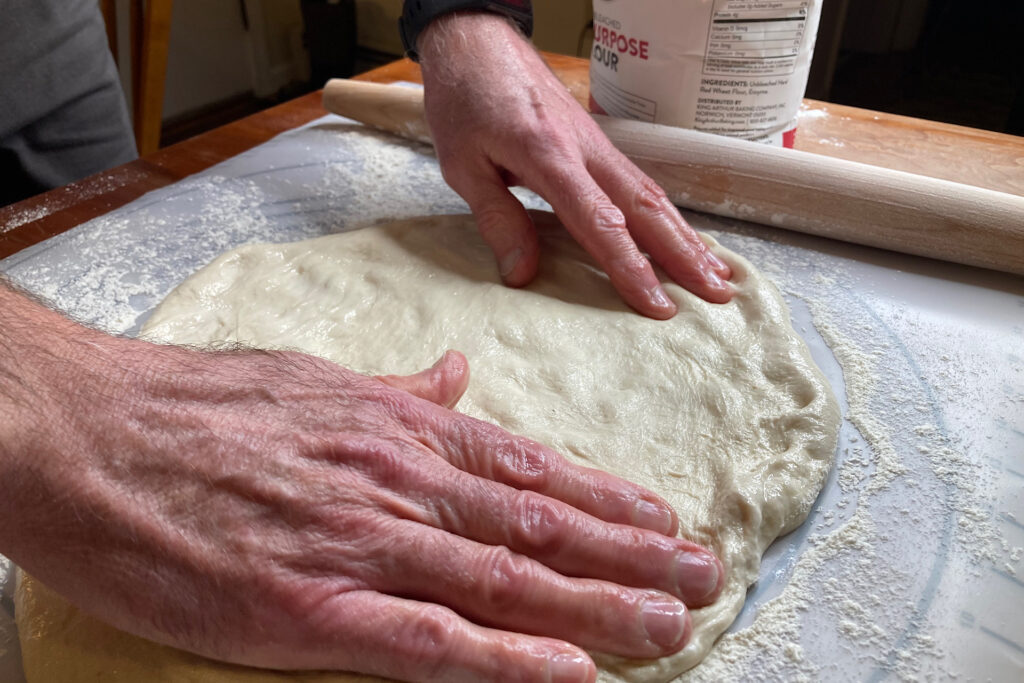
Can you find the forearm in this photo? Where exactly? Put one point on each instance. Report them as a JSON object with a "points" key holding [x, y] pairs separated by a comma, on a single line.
{"points": [[29, 349], [47, 389], [34, 343]]}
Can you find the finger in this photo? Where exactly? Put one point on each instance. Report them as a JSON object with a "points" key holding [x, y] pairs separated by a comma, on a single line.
{"points": [[487, 451], [573, 542], [396, 638], [631, 188], [494, 586], [443, 383], [660, 229], [432, 492], [505, 225], [600, 228]]}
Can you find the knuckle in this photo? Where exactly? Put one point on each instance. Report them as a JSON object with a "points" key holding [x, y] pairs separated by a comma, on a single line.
{"points": [[559, 167], [539, 134], [505, 578], [430, 638], [379, 459], [629, 262], [539, 524], [392, 402], [522, 464], [607, 216], [306, 443], [650, 196], [306, 603], [609, 228], [557, 150], [447, 514], [387, 467], [395, 412], [637, 539]]}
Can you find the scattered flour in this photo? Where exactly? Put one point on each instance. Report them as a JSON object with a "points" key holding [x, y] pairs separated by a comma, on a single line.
{"points": [[887, 575], [910, 495], [20, 218], [62, 198]]}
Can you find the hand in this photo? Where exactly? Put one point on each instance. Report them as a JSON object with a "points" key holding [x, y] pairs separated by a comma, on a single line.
{"points": [[499, 117], [277, 510]]}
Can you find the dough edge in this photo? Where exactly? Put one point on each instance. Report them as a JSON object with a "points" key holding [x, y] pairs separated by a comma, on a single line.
{"points": [[48, 625]]}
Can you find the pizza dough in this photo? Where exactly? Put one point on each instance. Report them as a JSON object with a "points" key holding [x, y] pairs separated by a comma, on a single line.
{"points": [[720, 410]]}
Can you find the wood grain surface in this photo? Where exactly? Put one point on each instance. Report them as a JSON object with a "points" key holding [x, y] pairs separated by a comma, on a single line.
{"points": [[981, 158]]}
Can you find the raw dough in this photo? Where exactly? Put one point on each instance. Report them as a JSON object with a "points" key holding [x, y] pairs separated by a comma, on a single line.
{"points": [[721, 410]]}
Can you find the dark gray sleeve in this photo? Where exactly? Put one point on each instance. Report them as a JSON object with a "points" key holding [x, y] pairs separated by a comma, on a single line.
{"points": [[62, 114]]}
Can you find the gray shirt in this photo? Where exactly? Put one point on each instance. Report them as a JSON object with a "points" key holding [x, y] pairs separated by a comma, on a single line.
{"points": [[62, 112]]}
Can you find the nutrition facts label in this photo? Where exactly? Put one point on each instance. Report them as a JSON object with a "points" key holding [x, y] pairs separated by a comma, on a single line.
{"points": [[729, 67], [755, 37]]}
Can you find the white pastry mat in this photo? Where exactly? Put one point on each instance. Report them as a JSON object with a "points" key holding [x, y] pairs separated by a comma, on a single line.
{"points": [[909, 565]]}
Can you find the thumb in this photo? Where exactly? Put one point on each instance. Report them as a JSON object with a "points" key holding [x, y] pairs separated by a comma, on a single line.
{"points": [[443, 383], [506, 227]]}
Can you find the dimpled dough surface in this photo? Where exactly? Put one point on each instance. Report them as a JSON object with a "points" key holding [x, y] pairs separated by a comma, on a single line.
{"points": [[720, 410]]}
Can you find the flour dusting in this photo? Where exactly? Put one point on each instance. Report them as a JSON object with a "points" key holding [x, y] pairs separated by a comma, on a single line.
{"points": [[909, 565]]}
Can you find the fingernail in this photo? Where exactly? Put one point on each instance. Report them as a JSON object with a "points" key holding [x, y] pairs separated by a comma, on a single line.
{"points": [[509, 261], [665, 622], [718, 284], [653, 517], [660, 298], [718, 263], [697, 575], [715, 279], [567, 668]]}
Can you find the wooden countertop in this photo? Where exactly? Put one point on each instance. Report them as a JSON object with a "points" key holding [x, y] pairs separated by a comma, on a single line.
{"points": [[956, 153]]}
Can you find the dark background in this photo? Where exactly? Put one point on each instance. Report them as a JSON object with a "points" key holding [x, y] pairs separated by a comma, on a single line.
{"points": [[955, 61]]}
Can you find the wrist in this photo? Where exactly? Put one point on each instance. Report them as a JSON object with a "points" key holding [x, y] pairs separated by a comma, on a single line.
{"points": [[54, 377], [419, 15], [452, 47]]}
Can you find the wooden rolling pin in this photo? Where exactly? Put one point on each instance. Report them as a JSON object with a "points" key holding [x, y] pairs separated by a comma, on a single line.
{"points": [[786, 188]]}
